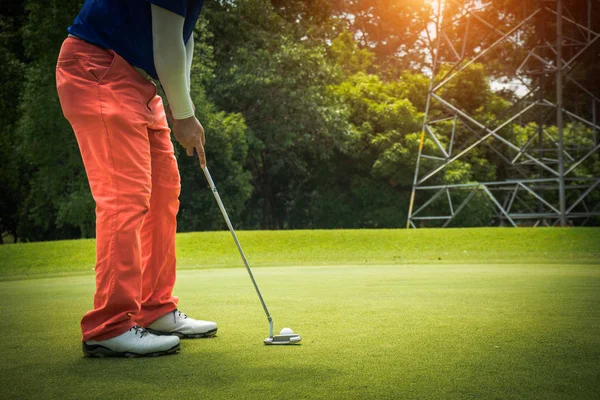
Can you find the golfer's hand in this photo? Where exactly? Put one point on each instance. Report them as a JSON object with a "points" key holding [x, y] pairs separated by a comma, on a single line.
{"points": [[190, 134]]}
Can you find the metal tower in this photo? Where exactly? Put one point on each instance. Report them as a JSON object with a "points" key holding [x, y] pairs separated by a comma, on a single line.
{"points": [[543, 149]]}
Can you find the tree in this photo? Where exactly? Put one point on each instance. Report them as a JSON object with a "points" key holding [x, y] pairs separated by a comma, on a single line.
{"points": [[58, 204], [279, 85], [390, 29], [13, 172], [226, 150]]}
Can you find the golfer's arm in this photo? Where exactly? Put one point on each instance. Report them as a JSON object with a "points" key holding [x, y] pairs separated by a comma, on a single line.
{"points": [[189, 53], [171, 60]]}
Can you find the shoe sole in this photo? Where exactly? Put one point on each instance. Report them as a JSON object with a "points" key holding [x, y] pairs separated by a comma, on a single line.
{"points": [[181, 335], [99, 351]]}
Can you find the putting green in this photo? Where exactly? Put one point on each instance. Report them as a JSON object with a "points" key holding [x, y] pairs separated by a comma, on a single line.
{"points": [[372, 331]]}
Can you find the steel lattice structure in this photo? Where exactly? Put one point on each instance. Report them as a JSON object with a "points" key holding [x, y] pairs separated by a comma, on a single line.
{"points": [[543, 183]]}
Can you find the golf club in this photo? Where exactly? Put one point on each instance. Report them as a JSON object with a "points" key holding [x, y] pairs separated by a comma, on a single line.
{"points": [[283, 338]]}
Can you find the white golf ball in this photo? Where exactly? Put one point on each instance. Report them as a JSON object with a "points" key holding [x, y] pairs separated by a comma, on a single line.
{"points": [[286, 331]]}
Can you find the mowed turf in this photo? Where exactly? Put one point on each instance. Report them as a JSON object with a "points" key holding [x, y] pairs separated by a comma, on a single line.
{"points": [[525, 324], [327, 247]]}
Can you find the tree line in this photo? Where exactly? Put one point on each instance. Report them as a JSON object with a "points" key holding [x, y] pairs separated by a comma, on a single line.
{"points": [[312, 112]]}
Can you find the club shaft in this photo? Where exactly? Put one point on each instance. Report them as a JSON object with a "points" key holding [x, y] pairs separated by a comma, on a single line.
{"points": [[237, 243]]}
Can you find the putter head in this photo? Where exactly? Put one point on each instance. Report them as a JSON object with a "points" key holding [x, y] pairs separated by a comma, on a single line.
{"points": [[291, 338]]}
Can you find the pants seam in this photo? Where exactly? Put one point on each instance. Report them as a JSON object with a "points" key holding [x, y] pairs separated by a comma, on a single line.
{"points": [[113, 239]]}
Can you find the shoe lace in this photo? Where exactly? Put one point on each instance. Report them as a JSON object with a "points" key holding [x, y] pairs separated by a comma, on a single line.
{"points": [[139, 330], [177, 313]]}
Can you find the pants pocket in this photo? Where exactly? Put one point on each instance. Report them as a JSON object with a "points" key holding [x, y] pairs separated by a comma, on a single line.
{"points": [[65, 63], [100, 64]]}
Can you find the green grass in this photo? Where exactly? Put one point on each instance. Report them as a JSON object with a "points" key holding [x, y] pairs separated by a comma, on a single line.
{"points": [[327, 247], [515, 316]]}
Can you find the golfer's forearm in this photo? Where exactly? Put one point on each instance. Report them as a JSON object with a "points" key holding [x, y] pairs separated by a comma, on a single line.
{"points": [[189, 53], [170, 60]]}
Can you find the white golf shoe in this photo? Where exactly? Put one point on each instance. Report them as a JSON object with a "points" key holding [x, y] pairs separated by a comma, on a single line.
{"points": [[178, 324], [136, 342]]}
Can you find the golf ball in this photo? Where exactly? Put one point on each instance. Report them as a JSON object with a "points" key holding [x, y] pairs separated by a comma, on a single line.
{"points": [[286, 331]]}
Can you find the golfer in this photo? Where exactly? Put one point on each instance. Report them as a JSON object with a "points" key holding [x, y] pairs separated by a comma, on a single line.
{"points": [[104, 77]]}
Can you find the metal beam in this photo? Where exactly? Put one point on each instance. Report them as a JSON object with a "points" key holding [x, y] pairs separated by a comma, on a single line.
{"points": [[489, 134], [539, 198], [459, 209], [583, 196], [428, 202], [582, 159], [426, 115], [487, 50], [502, 210], [436, 140], [559, 113], [507, 201]]}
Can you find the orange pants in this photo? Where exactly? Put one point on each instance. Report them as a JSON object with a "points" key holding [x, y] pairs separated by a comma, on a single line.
{"points": [[122, 132]]}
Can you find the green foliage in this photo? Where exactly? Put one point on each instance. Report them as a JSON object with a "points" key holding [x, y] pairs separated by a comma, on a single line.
{"points": [[385, 124], [279, 85], [389, 29], [13, 171], [226, 151], [349, 56], [58, 203], [386, 130], [357, 187], [58, 180], [470, 89]]}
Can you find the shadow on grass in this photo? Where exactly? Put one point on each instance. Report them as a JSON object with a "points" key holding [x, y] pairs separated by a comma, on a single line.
{"points": [[194, 373]]}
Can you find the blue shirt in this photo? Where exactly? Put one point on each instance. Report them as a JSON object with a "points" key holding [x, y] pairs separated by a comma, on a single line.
{"points": [[125, 26]]}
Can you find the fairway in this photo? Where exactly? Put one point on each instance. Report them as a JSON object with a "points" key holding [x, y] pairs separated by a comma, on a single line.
{"points": [[454, 330]]}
